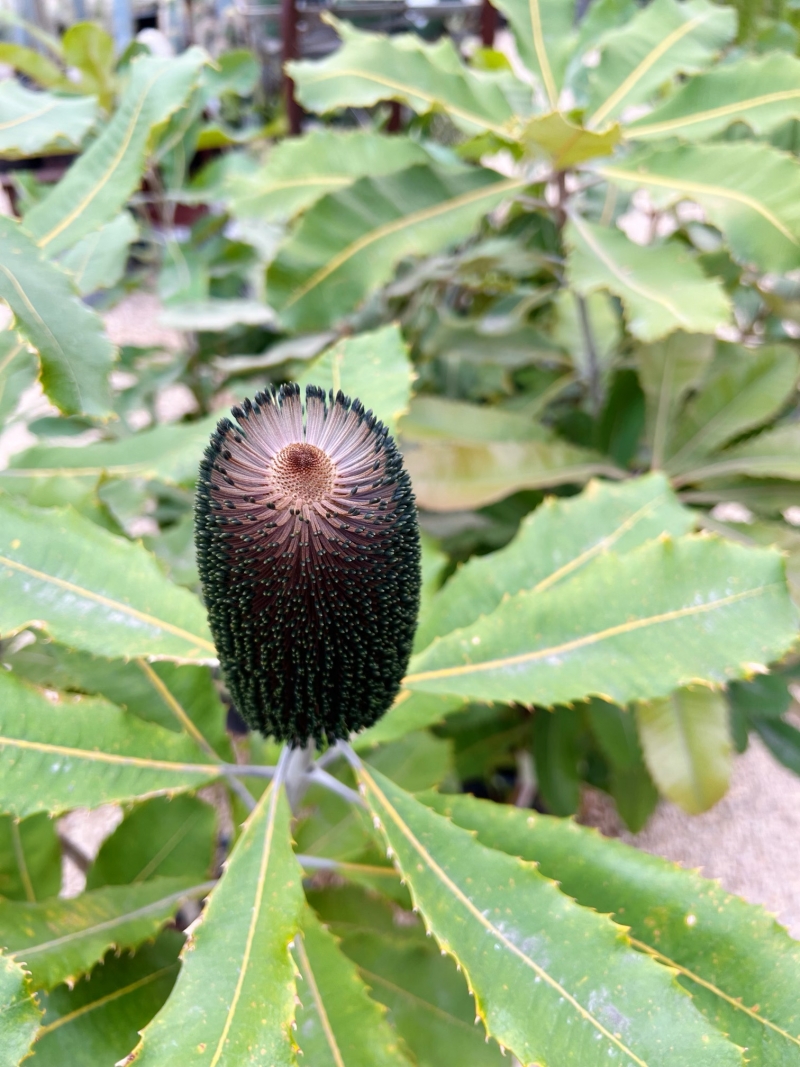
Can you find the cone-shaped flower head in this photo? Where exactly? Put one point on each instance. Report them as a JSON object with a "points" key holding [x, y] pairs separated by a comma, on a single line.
{"points": [[308, 551]]}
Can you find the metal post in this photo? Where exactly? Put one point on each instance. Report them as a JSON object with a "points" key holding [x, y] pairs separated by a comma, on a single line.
{"points": [[121, 24], [488, 24], [289, 35]]}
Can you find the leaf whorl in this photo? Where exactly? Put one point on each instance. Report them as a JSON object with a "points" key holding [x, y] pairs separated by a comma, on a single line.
{"points": [[308, 552]]}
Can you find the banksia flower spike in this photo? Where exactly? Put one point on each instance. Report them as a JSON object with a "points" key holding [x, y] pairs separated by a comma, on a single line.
{"points": [[308, 551]]}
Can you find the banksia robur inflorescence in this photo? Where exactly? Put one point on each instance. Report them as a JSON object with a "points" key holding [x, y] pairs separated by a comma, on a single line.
{"points": [[308, 551]]}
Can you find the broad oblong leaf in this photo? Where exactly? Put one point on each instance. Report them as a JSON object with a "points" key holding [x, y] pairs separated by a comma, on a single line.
{"points": [[554, 542], [455, 475], [59, 940], [373, 366], [544, 34], [370, 67], [661, 287], [300, 170], [687, 746], [168, 453], [531, 954], [664, 39], [98, 260], [82, 753], [99, 183], [556, 138], [233, 1003], [338, 1025], [740, 966], [33, 123], [19, 368], [749, 191], [772, 454], [742, 390], [631, 627], [75, 353], [96, 1023], [19, 1012], [410, 711], [30, 858], [161, 838], [763, 91], [349, 242], [92, 590]]}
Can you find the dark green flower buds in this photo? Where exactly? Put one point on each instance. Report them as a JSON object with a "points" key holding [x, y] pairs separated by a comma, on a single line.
{"points": [[308, 551]]}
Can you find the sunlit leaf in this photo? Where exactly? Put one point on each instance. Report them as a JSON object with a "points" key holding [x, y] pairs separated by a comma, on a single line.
{"points": [[75, 353], [740, 966], [58, 756], [750, 191], [555, 541], [35, 122], [664, 39], [630, 627], [662, 289], [371, 67], [234, 998], [511, 926], [58, 940], [92, 590], [300, 170], [687, 746], [101, 180], [349, 242]]}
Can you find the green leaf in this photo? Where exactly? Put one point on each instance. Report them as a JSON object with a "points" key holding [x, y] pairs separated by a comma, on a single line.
{"points": [[349, 242], [62, 572], [82, 753], [665, 39], [216, 315], [164, 837], [41, 123], [410, 711], [687, 746], [766, 696], [742, 389], [557, 540], [661, 287], [741, 968], [75, 353], [455, 475], [427, 998], [236, 71], [338, 1025], [749, 191], [98, 185], [544, 35], [177, 697], [772, 454], [371, 67], [97, 1022], [415, 761], [667, 372], [89, 49], [98, 260], [763, 91], [556, 750], [783, 741], [169, 453], [58, 940], [629, 782], [30, 858], [374, 367], [33, 64], [565, 143], [19, 1012], [300, 170], [631, 627], [511, 926], [234, 999], [19, 369]]}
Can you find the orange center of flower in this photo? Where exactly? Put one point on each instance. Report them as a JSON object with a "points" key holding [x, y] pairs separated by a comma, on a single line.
{"points": [[304, 472]]}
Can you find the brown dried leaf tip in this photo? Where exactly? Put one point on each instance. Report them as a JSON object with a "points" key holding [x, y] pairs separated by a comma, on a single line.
{"points": [[308, 551]]}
